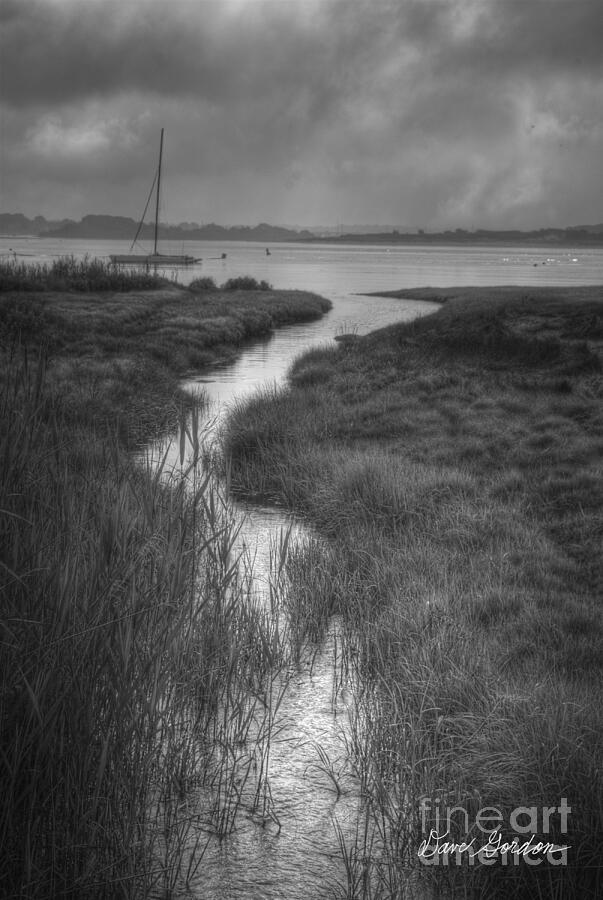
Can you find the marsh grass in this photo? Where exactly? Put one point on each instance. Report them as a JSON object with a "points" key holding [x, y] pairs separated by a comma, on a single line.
{"points": [[117, 355], [69, 273], [136, 674], [139, 683], [453, 463]]}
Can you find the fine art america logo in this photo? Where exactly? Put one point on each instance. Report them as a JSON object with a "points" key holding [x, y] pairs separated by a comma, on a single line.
{"points": [[484, 841]]}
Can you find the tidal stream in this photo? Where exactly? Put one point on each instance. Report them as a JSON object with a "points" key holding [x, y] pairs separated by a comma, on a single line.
{"points": [[296, 850]]}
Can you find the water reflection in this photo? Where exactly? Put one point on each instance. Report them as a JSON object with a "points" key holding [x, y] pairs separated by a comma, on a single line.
{"points": [[267, 362], [299, 856]]}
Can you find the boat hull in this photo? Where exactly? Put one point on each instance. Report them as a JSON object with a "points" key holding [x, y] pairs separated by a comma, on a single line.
{"points": [[152, 259]]}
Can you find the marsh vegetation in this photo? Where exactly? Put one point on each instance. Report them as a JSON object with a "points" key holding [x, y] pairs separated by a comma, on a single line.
{"points": [[139, 678], [453, 466]]}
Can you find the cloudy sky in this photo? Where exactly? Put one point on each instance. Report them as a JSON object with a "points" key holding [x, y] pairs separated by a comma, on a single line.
{"points": [[416, 113]]}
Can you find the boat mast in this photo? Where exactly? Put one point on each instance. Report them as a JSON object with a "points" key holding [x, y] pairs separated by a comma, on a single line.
{"points": [[157, 201]]}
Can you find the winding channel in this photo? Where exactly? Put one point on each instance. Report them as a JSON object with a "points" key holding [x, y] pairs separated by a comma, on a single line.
{"points": [[300, 856]]}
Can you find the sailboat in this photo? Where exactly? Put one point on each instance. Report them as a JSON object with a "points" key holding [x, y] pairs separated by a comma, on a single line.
{"points": [[155, 258]]}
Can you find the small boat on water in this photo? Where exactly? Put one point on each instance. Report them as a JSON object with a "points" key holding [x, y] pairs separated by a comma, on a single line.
{"points": [[155, 258]]}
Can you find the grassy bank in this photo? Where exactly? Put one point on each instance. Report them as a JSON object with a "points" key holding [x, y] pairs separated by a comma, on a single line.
{"points": [[130, 675], [116, 355], [454, 464]]}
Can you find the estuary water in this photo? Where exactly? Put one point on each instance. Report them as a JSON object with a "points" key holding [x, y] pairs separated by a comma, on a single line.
{"points": [[334, 270]]}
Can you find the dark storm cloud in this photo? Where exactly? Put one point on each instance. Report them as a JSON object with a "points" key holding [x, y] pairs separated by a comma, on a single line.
{"points": [[62, 52], [532, 37], [57, 52], [427, 111]]}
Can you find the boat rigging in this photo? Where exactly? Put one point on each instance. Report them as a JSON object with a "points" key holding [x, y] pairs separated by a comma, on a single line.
{"points": [[155, 258]]}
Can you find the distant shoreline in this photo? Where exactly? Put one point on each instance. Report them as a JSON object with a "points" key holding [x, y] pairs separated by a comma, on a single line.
{"points": [[99, 227], [490, 239], [346, 241]]}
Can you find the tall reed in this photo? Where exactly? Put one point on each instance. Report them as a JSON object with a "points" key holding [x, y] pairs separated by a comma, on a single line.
{"points": [[73, 274], [136, 681]]}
